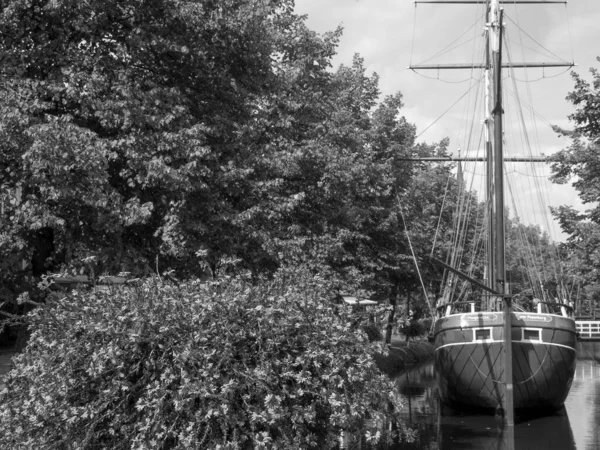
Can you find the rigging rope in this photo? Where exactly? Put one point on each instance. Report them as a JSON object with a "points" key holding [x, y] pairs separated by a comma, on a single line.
{"points": [[533, 49], [546, 353], [531, 267], [529, 107], [460, 288], [464, 206], [542, 363], [444, 113], [535, 266], [596, 362], [480, 229], [558, 58], [412, 251], [437, 228], [447, 47], [543, 200], [442, 80], [453, 287], [543, 77], [542, 194]]}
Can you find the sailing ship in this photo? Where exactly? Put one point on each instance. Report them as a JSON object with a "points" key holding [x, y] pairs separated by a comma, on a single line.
{"points": [[490, 352]]}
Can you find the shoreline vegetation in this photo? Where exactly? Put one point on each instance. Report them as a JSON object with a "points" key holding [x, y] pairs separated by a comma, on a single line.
{"points": [[174, 365], [403, 355]]}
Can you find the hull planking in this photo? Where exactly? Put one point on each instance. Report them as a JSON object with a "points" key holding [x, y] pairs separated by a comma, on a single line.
{"points": [[470, 366]]}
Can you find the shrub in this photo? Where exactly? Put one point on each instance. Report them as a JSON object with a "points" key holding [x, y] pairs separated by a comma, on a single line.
{"points": [[412, 329], [373, 332], [414, 324], [225, 365]]}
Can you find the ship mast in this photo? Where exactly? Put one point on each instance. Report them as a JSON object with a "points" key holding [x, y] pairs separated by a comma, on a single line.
{"points": [[497, 272], [489, 156], [495, 282], [494, 55], [495, 278]]}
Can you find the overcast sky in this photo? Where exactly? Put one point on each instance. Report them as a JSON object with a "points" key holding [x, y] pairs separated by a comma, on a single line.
{"points": [[392, 34]]}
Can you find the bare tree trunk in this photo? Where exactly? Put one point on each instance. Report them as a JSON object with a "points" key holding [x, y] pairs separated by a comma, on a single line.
{"points": [[407, 312], [391, 316]]}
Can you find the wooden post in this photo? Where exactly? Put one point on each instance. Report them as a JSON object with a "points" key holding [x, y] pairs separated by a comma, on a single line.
{"points": [[508, 407], [407, 312], [391, 316]]}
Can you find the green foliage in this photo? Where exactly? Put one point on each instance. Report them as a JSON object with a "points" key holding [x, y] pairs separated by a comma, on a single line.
{"points": [[535, 264], [579, 164], [412, 325], [200, 136], [413, 329], [218, 365], [373, 332], [135, 129], [583, 256]]}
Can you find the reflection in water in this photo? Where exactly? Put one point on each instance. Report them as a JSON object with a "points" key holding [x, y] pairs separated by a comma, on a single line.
{"points": [[416, 387], [582, 403], [438, 428], [487, 433]]}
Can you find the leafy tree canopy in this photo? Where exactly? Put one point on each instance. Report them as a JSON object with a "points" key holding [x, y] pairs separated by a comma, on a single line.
{"points": [[136, 129], [140, 135], [580, 165]]}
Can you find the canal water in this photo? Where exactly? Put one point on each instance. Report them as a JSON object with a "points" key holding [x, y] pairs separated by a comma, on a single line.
{"points": [[577, 426]]}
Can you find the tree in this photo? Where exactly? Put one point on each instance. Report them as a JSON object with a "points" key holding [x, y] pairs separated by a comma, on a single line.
{"points": [[333, 185], [140, 136], [582, 257], [135, 134], [535, 264], [580, 164]]}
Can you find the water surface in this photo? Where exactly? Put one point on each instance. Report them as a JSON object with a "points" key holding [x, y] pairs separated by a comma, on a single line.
{"points": [[575, 427]]}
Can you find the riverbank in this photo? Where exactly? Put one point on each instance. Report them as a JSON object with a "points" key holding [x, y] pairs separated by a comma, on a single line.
{"points": [[403, 355], [6, 355]]}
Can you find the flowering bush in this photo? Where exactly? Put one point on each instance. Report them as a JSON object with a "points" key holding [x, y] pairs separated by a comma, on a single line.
{"points": [[224, 365]]}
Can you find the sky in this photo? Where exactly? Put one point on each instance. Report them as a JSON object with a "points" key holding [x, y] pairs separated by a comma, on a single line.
{"points": [[392, 34]]}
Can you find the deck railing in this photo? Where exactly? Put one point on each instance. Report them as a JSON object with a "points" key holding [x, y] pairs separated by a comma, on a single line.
{"points": [[557, 308]]}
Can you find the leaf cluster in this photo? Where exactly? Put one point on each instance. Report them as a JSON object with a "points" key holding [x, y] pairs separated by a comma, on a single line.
{"points": [[579, 164], [218, 365], [205, 137]]}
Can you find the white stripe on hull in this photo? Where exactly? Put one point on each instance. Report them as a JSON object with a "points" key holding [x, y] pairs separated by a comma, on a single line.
{"points": [[502, 342]]}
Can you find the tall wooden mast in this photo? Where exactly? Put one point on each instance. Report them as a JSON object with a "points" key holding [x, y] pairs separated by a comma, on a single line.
{"points": [[496, 270], [498, 245], [490, 274]]}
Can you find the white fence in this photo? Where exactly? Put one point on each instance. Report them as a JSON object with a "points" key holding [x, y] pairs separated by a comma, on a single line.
{"points": [[588, 329]]}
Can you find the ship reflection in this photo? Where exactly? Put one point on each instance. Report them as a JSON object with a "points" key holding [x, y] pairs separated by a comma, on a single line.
{"points": [[461, 431], [440, 428]]}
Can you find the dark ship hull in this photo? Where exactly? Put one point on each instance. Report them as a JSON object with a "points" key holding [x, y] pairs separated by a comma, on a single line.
{"points": [[470, 367]]}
